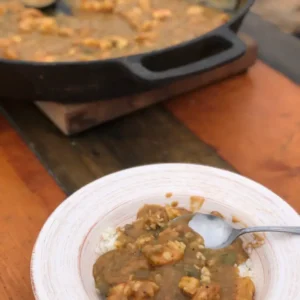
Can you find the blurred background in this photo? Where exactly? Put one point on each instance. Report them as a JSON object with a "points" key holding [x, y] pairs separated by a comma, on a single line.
{"points": [[285, 14]]}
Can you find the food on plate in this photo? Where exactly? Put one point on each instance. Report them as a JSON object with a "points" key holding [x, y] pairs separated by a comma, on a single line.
{"points": [[100, 29], [38, 3], [156, 259]]}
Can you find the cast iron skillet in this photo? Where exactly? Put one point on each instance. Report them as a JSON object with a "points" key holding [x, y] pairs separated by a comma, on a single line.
{"points": [[78, 82]]}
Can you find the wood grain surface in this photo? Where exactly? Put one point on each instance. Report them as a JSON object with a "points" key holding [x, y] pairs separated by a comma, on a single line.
{"points": [[254, 123], [148, 136], [28, 195]]}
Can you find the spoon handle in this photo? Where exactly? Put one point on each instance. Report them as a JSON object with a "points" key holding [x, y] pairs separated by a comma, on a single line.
{"points": [[288, 229]]}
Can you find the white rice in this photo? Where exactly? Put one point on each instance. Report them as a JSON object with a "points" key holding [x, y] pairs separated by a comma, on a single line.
{"points": [[109, 237], [107, 241], [245, 269]]}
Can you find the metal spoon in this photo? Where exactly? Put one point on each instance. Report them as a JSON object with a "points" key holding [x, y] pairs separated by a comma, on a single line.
{"points": [[59, 5], [217, 233]]}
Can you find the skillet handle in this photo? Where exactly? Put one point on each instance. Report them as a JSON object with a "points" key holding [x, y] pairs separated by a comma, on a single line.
{"points": [[159, 66]]}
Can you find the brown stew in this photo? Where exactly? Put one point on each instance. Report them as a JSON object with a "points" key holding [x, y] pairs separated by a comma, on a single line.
{"points": [[100, 29], [158, 260]]}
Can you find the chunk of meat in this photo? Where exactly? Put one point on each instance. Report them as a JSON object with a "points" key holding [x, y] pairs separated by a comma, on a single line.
{"points": [[159, 255], [133, 290], [144, 239], [119, 292], [105, 6], [134, 17], [119, 42], [195, 10], [143, 289], [174, 212], [189, 285], [208, 292], [205, 275], [169, 234], [147, 38], [244, 289], [145, 5], [148, 25], [162, 14], [154, 216]]}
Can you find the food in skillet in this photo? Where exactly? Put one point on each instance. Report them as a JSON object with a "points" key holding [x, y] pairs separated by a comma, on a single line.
{"points": [[101, 29], [155, 259]]}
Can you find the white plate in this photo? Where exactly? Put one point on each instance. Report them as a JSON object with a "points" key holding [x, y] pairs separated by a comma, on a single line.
{"points": [[62, 260]]}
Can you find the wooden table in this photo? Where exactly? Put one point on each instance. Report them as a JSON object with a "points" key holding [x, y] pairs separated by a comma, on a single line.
{"points": [[248, 124]]}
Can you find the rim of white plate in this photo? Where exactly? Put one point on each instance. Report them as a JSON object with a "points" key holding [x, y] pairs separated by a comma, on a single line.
{"points": [[56, 263]]}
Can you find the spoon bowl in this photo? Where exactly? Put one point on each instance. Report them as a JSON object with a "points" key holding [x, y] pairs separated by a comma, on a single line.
{"points": [[218, 233]]}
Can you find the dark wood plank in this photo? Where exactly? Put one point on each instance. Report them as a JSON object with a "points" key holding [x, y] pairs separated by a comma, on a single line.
{"points": [[148, 136], [279, 50]]}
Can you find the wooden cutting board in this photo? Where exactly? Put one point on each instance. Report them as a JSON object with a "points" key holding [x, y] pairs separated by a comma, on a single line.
{"points": [[75, 118]]}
